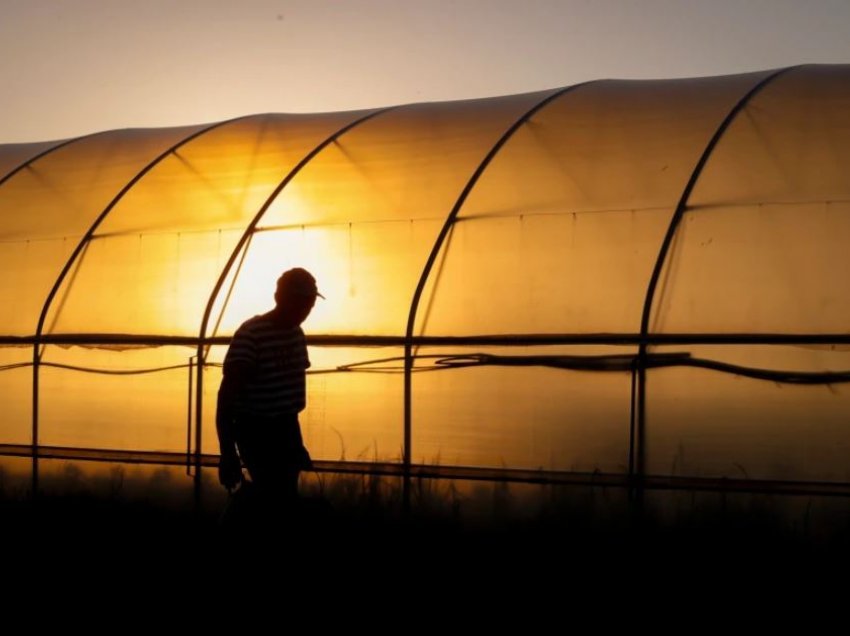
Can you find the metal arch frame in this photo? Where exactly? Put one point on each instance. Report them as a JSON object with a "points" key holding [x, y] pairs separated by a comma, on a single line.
{"points": [[432, 257], [37, 342], [637, 439], [249, 231]]}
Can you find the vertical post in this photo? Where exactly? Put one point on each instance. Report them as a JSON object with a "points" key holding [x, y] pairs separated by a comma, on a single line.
{"points": [[632, 422], [34, 493], [640, 450], [190, 402], [34, 432], [408, 387], [199, 392]]}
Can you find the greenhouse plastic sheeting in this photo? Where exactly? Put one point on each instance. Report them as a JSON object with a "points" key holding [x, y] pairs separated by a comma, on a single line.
{"points": [[617, 276], [12, 156]]}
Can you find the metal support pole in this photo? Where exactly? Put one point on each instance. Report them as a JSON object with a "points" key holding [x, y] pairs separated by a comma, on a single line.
{"points": [[429, 264], [664, 250], [189, 420]]}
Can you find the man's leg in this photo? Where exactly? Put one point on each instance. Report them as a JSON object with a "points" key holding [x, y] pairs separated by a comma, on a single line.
{"points": [[268, 448]]}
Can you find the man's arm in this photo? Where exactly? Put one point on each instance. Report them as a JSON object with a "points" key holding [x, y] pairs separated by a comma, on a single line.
{"points": [[236, 375]]}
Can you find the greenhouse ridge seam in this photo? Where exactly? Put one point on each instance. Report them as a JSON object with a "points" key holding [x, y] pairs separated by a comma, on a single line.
{"points": [[44, 153]]}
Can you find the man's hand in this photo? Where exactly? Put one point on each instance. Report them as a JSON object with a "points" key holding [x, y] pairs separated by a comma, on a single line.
{"points": [[229, 470]]}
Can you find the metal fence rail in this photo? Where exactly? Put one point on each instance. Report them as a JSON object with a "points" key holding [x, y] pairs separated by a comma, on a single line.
{"points": [[461, 473]]}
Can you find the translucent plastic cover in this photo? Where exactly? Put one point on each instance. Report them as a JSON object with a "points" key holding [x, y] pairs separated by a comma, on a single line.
{"points": [[519, 235]]}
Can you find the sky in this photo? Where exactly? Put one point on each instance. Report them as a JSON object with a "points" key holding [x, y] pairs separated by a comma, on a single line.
{"points": [[72, 67]]}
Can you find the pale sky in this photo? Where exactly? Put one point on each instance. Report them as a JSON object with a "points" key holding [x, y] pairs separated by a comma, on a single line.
{"points": [[71, 67]]}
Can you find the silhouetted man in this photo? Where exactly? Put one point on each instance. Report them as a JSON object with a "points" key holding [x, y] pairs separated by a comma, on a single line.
{"points": [[263, 390]]}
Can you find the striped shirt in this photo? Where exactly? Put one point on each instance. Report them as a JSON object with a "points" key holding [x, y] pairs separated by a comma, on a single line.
{"points": [[277, 359]]}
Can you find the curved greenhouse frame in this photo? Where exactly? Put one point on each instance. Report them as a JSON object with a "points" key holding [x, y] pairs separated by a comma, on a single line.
{"points": [[618, 280]]}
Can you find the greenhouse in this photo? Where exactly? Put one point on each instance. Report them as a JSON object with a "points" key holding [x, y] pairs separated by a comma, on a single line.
{"points": [[616, 279]]}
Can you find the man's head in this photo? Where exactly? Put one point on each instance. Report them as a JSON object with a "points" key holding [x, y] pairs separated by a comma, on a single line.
{"points": [[296, 293]]}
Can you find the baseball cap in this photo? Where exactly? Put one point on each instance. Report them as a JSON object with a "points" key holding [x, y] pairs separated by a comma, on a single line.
{"points": [[298, 281]]}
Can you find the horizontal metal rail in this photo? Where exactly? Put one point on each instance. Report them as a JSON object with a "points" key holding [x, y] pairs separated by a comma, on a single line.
{"points": [[462, 473]]}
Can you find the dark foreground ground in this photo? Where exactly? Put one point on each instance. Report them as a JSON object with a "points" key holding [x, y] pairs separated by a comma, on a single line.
{"points": [[358, 528]]}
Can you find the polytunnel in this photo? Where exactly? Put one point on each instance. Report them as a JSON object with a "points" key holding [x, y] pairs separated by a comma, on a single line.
{"points": [[618, 279]]}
